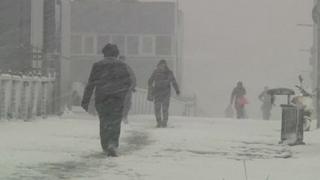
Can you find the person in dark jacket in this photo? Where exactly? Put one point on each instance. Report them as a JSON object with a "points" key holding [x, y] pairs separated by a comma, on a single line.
{"points": [[267, 103], [239, 100], [128, 101], [160, 84], [111, 81]]}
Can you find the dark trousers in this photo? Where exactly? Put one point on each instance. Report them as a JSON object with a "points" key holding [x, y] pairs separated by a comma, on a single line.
{"points": [[110, 114], [266, 111], [240, 111], [161, 109]]}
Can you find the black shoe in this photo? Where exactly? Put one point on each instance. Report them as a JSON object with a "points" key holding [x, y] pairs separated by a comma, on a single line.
{"points": [[112, 152], [164, 125]]}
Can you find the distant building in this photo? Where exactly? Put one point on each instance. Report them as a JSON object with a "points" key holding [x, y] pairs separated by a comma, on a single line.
{"points": [[35, 36], [21, 34], [29, 31], [66, 37], [145, 32]]}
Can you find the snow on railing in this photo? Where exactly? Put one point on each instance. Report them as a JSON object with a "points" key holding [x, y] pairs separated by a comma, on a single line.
{"points": [[178, 106], [25, 97]]}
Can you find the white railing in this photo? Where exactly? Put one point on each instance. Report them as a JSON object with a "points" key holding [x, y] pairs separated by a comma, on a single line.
{"points": [[178, 107], [25, 97]]}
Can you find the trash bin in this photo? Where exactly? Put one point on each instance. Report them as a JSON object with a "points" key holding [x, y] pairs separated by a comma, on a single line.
{"points": [[291, 125], [292, 118]]}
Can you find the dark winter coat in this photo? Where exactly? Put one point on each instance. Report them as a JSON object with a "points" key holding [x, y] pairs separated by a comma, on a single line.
{"points": [[161, 81], [267, 100], [108, 76]]}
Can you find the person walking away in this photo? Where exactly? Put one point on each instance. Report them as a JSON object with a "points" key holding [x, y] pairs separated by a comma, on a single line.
{"points": [[239, 100], [111, 81], [267, 103], [128, 98], [160, 82]]}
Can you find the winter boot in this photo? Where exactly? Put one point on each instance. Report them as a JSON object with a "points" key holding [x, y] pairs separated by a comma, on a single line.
{"points": [[112, 151], [159, 124], [164, 124]]}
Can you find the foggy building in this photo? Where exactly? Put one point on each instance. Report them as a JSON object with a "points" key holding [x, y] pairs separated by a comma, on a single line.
{"points": [[31, 30], [145, 32], [34, 37], [21, 34], [66, 37]]}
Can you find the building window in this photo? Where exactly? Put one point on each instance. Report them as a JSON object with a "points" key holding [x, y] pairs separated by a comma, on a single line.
{"points": [[120, 42], [133, 45], [147, 45], [102, 40], [89, 45], [163, 45], [76, 44]]}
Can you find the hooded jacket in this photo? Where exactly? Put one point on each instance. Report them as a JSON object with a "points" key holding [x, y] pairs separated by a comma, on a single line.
{"points": [[161, 81]]}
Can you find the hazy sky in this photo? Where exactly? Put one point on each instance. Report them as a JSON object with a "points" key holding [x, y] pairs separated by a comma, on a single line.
{"points": [[255, 41]]}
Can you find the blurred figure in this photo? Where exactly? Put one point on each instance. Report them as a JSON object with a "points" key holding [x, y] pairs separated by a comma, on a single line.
{"points": [[267, 103], [239, 100], [76, 99], [128, 98], [160, 85], [111, 80]]}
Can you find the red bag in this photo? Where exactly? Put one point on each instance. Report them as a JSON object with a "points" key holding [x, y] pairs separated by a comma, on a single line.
{"points": [[241, 101]]}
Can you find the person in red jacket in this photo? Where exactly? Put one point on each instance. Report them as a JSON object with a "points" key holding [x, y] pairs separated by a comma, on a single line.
{"points": [[239, 100]]}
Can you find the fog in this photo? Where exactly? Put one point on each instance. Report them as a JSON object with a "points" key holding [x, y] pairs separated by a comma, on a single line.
{"points": [[142, 79], [255, 41]]}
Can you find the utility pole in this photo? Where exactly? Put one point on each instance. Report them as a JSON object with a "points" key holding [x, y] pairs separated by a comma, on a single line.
{"points": [[316, 20], [52, 47], [179, 38], [177, 64]]}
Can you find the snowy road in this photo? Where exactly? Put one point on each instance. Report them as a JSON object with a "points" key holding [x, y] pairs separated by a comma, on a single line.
{"points": [[191, 148]]}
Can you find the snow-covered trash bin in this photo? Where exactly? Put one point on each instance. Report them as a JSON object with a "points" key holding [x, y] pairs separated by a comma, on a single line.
{"points": [[292, 118], [292, 125]]}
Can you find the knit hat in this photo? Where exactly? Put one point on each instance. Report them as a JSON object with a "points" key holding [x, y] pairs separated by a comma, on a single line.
{"points": [[110, 50]]}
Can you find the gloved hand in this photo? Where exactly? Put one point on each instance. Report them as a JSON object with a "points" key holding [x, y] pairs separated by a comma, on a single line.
{"points": [[178, 92]]}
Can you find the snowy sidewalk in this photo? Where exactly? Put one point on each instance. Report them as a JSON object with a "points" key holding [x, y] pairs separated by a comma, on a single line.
{"points": [[190, 148]]}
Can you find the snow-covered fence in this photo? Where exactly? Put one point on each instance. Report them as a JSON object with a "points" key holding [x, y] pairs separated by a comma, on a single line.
{"points": [[178, 106], [25, 97]]}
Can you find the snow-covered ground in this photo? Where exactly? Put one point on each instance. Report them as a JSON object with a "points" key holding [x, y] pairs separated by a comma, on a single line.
{"points": [[189, 149]]}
